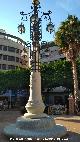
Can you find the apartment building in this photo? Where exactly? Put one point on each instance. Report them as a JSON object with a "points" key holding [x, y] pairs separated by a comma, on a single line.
{"points": [[11, 48], [49, 53]]}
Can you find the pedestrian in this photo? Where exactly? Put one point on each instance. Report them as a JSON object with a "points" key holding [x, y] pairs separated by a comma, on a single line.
{"points": [[5, 104]]}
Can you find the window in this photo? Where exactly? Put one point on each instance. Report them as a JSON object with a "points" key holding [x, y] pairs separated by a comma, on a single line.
{"points": [[11, 58], [0, 56], [4, 57], [43, 55], [0, 47], [4, 66], [16, 67], [17, 59], [17, 50], [0, 66], [4, 48], [20, 51], [11, 49], [11, 67]]}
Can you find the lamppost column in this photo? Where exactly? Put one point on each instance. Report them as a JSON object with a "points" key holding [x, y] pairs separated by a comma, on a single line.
{"points": [[35, 105]]}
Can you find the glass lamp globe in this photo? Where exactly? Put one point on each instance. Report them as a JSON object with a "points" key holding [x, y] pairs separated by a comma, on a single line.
{"points": [[21, 28], [50, 27]]}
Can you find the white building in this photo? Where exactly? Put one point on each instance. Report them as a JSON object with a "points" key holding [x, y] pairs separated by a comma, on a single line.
{"points": [[10, 52], [11, 48], [50, 54]]}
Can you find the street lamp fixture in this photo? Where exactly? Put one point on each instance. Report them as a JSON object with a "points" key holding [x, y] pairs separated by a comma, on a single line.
{"points": [[50, 27], [36, 31], [21, 28]]}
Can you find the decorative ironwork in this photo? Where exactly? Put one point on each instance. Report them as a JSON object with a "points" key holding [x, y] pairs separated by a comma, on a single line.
{"points": [[35, 31]]}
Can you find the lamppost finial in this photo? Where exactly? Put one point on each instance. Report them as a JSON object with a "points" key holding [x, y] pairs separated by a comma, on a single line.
{"points": [[36, 2]]}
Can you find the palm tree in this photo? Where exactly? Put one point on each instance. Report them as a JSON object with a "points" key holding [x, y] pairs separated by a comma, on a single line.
{"points": [[68, 39]]}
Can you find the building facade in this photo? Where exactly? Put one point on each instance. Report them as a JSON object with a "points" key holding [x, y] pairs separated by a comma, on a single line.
{"points": [[49, 53], [11, 48]]}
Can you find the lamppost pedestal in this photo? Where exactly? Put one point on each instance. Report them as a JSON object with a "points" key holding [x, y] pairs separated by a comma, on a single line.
{"points": [[71, 104], [36, 129], [35, 105]]}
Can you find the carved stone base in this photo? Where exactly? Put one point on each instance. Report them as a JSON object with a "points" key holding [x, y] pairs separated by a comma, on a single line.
{"points": [[40, 128]]}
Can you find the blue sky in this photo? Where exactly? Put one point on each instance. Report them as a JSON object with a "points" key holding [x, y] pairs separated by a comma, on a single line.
{"points": [[10, 15]]}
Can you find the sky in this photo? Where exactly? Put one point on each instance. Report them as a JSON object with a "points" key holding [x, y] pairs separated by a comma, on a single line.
{"points": [[10, 16]]}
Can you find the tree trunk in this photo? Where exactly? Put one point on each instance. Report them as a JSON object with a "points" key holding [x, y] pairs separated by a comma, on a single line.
{"points": [[75, 79]]}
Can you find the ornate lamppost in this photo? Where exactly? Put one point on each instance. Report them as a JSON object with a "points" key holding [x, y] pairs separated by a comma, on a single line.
{"points": [[35, 123], [35, 106]]}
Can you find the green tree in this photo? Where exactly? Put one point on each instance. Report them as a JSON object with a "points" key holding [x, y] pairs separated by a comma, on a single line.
{"points": [[56, 73], [14, 79]]}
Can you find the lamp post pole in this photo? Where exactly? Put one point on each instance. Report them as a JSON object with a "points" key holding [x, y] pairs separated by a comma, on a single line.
{"points": [[35, 105]]}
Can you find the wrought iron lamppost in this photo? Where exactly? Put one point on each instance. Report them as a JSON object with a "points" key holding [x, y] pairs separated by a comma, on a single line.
{"points": [[35, 106], [35, 124]]}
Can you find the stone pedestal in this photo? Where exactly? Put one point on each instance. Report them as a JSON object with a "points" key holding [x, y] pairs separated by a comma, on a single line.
{"points": [[35, 105], [71, 105], [39, 128]]}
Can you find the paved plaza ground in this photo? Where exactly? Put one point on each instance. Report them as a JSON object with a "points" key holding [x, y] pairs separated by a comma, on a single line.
{"points": [[72, 123]]}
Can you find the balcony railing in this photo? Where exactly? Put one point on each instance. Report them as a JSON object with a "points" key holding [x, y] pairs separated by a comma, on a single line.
{"points": [[14, 38]]}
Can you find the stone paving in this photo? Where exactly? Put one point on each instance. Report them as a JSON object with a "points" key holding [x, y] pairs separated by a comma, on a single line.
{"points": [[72, 123]]}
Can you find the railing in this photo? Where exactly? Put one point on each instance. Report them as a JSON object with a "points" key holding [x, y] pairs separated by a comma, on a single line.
{"points": [[56, 109], [18, 40]]}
